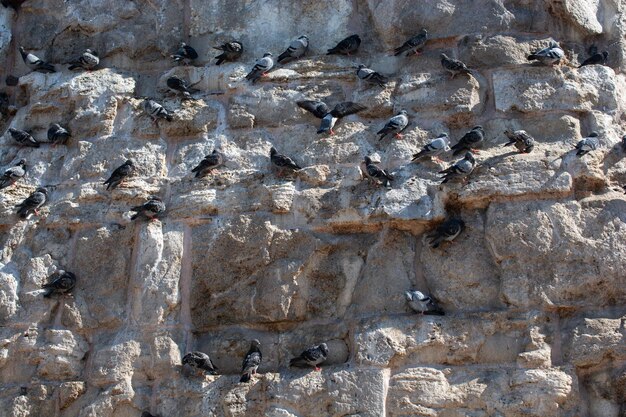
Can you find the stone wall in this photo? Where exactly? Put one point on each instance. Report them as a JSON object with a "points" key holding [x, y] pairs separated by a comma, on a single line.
{"points": [[534, 288]]}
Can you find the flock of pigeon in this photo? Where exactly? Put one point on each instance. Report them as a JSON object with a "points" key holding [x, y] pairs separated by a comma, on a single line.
{"points": [[62, 282]]}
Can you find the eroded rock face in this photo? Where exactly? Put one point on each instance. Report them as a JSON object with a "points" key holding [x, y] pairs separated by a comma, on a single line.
{"points": [[533, 288]]}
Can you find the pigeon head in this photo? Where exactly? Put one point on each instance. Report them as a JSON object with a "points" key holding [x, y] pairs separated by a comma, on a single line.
{"points": [[129, 162], [42, 190], [91, 51], [470, 157], [409, 295], [273, 151], [23, 51], [443, 135], [443, 56], [22, 162], [478, 127], [324, 348], [368, 160], [255, 343], [593, 134], [624, 138], [605, 54], [553, 44], [154, 198], [267, 54], [404, 112], [423, 32], [304, 37]]}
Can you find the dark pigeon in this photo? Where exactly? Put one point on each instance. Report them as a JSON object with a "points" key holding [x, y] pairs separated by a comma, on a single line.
{"points": [[151, 209], [209, 163], [231, 51], [14, 4], [624, 143], [596, 59], [283, 162], [588, 144], [296, 49], [346, 47], [35, 63], [370, 76], [395, 125], [413, 44], [461, 169], [424, 304], [548, 56], [120, 174], [329, 117], [59, 283], [147, 414], [313, 356], [469, 141], [446, 231], [57, 134], [200, 360], [88, 61], [434, 148], [13, 174], [184, 54], [521, 139], [261, 68], [23, 138], [179, 85], [377, 174], [156, 110], [32, 203], [454, 66], [251, 362]]}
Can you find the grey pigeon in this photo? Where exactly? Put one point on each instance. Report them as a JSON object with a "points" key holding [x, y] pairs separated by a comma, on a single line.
{"points": [[413, 44], [120, 174], [521, 139], [251, 361], [395, 125], [296, 49], [454, 66], [35, 63], [59, 283], [209, 163], [200, 360], [548, 56], [469, 141], [446, 231], [32, 203], [88, 60], [156, 110], [346, 47], [377, 174], [11, 175], [596, 59], [57, 134], [231, 51], [588, 144], [434, 148], [370, 76], [184, 54], [329, 117], [261, 68], [283, 162], [179, 85], [460, 169], [151, 209], [313, 356], [424, 304], [23, 138]]}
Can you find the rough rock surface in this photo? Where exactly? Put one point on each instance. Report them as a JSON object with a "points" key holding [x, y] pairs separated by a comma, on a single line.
{"points": [[534, 289]]}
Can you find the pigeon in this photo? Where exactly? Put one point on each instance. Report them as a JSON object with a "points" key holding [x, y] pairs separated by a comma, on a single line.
{"points": [[375, 173], [11, 175], [88, 60], [454, 66], [200, 360], [23, 138], [596, 59], [261, 68], [231, 51], [329, 117], [209, 163], [469, 141], [34, 201], [313, 356], [57, 134], [424, 304], [179, 85], [460, 169], [521, 139], [296, 49], [435, 147], [624, 143], [588, 144], [60, 282], [150, 209], [548, 56], [35, 63], [156, 110], [251, 362], [447, 231], [120, 174], [14, 4], [413, 44], [371, 76], [185, 54], [147, 414], [283, 162], [347, 46], [394, 125]]}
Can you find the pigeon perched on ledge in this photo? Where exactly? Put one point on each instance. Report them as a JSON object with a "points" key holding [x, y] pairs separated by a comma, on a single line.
{"points": [[598, 58], [251, 361], [57, 134], [297, 48], [413, 44], [424, 304], [521, 139], [395, 125], [35, 63], [454, 66], [156, 111], [120, 174], [23, 138], [329, 117], [469, 141], [261, 68], [151, 209], [59, 283], [209, 163], [446, 231], [460, 169], [347, 46], [88, 61], [370, 76], [434, 148], [184, 54], [11, 175], [200, 360], [312, 356], [283, 162], [548, 56], [178, 85], [231, 51], [588, 144], [33, 202], [377, 174]]}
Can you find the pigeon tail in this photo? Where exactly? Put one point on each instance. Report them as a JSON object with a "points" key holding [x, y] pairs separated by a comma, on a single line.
{"points": [[45, 67], [245, 377], [437, 312], [299, 362]]}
